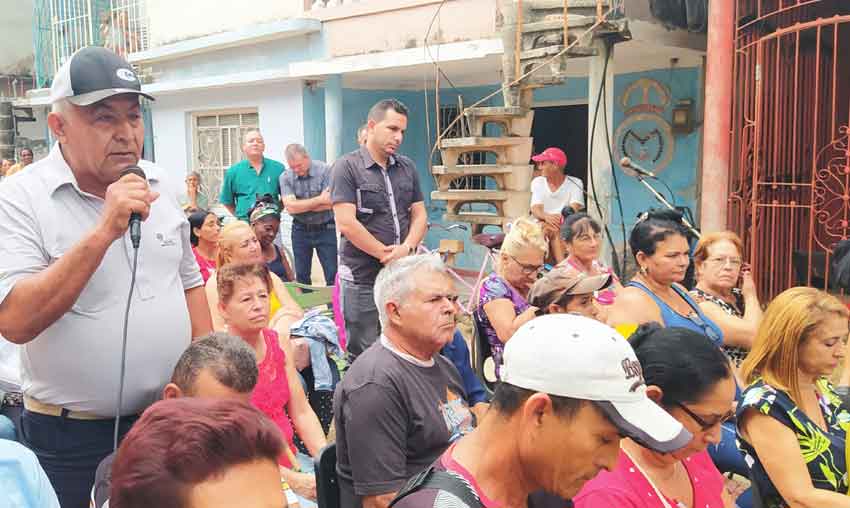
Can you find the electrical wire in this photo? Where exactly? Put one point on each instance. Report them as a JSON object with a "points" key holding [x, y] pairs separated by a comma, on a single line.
{"points": [[124, 347], [614, 177], [428, 48], [614, 7], [617, 267]]}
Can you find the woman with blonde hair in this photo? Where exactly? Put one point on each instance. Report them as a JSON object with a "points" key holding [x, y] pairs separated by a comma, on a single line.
{"points": [[502, 298], [726, 291], [791, 424], [237, 244]]}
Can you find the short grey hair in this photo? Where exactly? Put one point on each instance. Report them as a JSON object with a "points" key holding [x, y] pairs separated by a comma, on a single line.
{"points": [[229, 359], [396, 280], [195, 174], [295, 149]]}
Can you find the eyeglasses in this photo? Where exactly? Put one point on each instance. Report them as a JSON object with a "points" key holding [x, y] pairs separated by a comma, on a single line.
{"points": [[527, 269], [723, 261], [704, 425]]}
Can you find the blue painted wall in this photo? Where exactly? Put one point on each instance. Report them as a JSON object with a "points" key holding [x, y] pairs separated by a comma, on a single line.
{"points": [[680, 175]]}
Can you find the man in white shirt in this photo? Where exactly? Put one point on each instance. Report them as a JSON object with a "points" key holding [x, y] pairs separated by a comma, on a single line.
{"points": [[551, 193], [66, 259]]}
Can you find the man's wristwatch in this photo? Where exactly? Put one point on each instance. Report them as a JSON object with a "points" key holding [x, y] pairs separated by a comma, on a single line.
{"points": [[410, 250]]}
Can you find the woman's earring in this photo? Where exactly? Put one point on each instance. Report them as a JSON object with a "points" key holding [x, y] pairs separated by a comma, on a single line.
{"points": [[644, 270]]}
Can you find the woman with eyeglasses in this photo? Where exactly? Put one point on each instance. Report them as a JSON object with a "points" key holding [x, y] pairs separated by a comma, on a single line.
{"points": [[791, 424], [691, 379], [264, 218], [660, 247], [567, 290], [502, 298], [726, 292], [583, 238]]}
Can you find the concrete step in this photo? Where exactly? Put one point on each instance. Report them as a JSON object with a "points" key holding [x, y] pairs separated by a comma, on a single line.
{"points": [[559, 4], [471, 196], [507, 203], [507, 177], [548, 51], [557, 23], [508, 150], [483, 142], [515, 121], [477, 220]]}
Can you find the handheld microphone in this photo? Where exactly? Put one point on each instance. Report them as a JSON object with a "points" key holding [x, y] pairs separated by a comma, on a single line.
{"points": [[135, 217], [633, 169]]}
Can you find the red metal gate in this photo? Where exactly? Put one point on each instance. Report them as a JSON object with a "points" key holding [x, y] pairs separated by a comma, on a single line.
{"points": [[790, 174]]}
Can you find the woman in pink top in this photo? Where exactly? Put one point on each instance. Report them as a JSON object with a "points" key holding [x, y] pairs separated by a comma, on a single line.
{"points": [[203, 234], [691, 379], [244, 304], [583, 238]]}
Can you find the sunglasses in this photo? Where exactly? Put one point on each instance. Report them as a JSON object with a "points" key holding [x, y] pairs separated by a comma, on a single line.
{"points": [[707, 330], [705, 425]]}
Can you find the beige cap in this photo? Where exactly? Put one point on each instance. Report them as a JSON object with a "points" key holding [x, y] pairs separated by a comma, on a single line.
{"points": [[565, 281]]}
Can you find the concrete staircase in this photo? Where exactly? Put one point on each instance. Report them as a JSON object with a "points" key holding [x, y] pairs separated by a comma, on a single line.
{"points": [[541, 37]]}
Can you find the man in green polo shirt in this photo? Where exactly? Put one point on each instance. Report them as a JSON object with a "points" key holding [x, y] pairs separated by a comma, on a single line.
{"points": [[245, 180]]}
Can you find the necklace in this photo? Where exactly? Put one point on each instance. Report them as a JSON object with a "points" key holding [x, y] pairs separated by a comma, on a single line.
{"points": [[655, 488]]}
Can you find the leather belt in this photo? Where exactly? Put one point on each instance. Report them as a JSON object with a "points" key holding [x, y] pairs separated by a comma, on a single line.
{"points": [[35, 406]]}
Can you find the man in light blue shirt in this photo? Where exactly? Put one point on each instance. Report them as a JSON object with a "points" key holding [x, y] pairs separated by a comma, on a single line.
{"points": [[22, 480]]}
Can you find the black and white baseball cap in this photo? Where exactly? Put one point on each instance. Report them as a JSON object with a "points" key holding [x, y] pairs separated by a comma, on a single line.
{"points": [[92, 74], [580, 358]]}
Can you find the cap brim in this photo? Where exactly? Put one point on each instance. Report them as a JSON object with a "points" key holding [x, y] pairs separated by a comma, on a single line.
{"points": [[541, 158], [590, 284], [87, 99], [648, 424]]}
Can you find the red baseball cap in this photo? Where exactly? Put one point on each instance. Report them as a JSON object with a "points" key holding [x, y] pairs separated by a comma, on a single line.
{"points": [[552, 154]]}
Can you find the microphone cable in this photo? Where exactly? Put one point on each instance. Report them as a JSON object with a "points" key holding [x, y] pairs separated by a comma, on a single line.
{"points": [[124, 345]]}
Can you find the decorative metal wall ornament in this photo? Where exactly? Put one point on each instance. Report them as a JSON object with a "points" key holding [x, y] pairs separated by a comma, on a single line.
{"points": [[644, 135]]}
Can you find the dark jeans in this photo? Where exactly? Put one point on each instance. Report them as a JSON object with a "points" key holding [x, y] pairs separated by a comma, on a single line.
{"points": [[322, 238], [362, 326], [69, 451]]}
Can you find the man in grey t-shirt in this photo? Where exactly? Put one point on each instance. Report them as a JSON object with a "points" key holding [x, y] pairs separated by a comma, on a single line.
{"points": [[401, 404]]}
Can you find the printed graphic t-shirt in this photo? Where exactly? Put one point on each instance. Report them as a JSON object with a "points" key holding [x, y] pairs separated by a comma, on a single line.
{"points": [[394, 416]]}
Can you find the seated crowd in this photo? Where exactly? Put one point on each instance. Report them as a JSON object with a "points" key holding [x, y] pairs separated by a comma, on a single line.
{"points": [[639, 394]]}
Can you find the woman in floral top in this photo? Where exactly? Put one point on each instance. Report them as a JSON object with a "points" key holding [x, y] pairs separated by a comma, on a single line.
{"points": [[791, 424], [502, 306]]}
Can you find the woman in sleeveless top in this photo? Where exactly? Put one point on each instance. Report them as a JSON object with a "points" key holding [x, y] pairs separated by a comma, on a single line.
{"points": [[244, 303], [791, 423], [660, 246], [238, 245]]}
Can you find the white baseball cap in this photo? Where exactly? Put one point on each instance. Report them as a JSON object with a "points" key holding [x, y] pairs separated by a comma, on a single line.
{"points": [[92, 74], [573, 356]]}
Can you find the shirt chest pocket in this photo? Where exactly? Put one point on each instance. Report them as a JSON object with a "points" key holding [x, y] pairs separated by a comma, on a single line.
{"points": [[404, 195], [309, 189], [371, 200]]}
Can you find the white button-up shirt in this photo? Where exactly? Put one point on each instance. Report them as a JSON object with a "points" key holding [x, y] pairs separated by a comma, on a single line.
{"points": [[75, 362]]}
